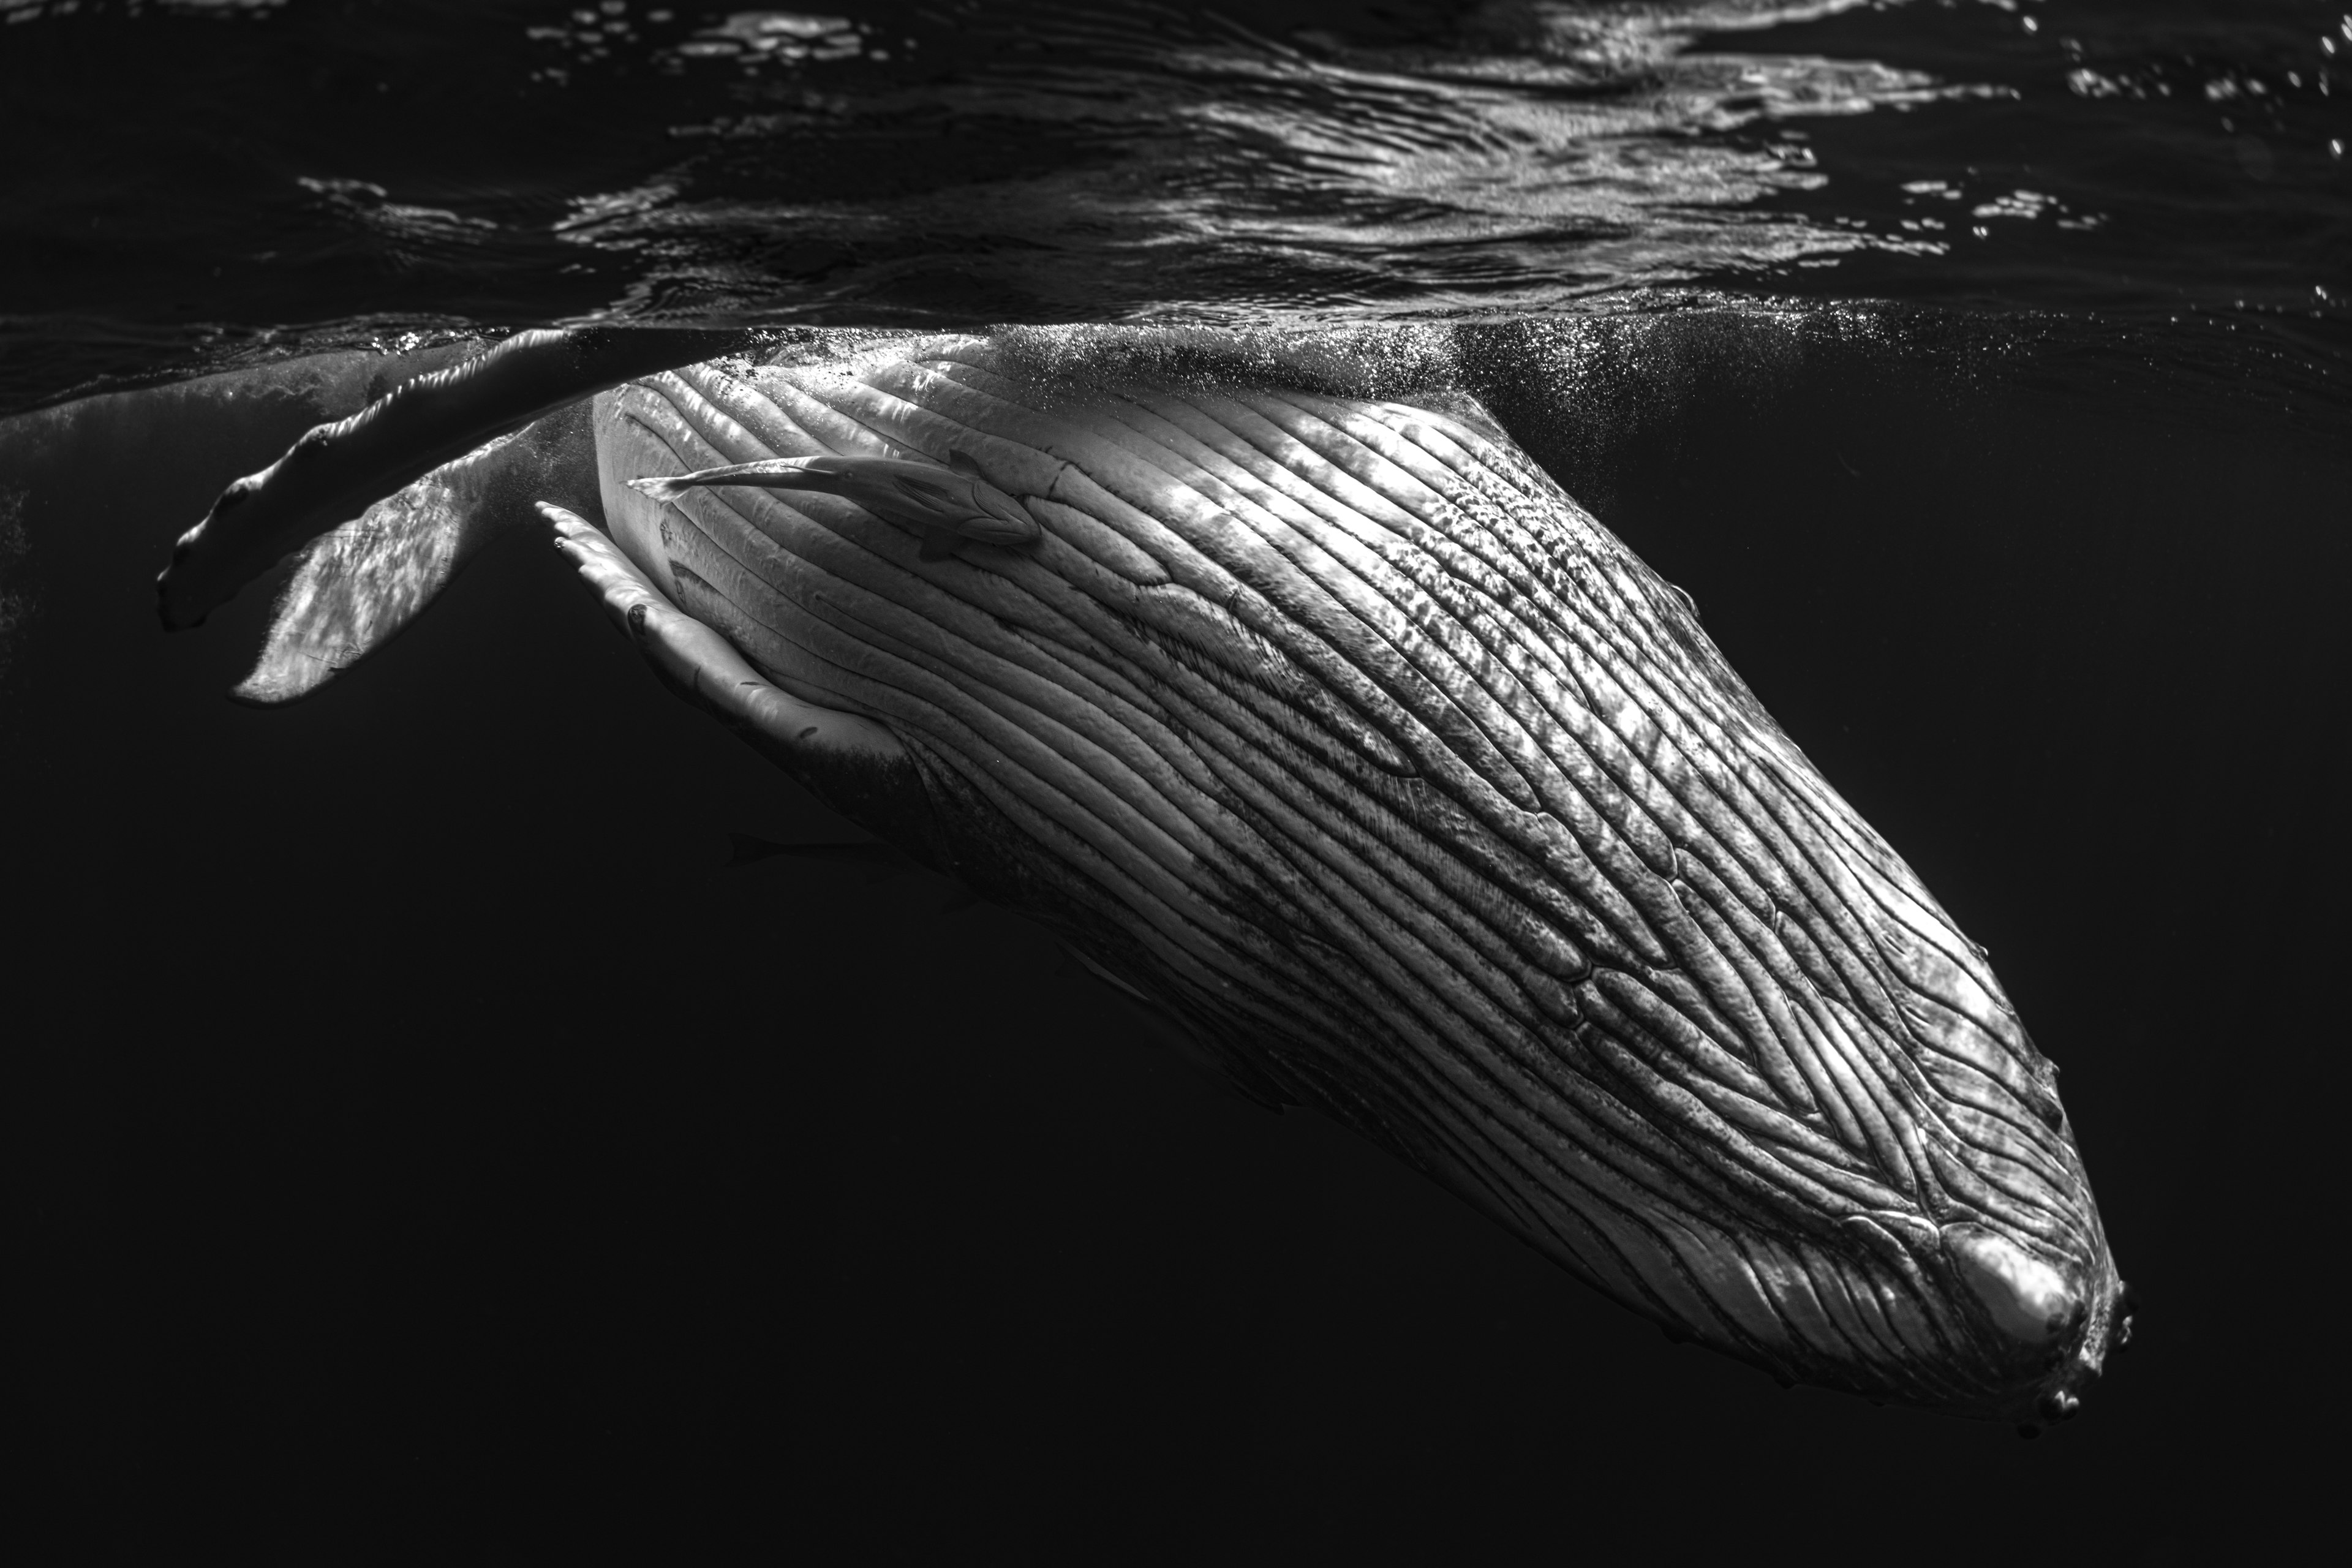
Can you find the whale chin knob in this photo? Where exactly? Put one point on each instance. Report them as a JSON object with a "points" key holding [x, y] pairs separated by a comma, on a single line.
{"points": [[2027, 1299]]}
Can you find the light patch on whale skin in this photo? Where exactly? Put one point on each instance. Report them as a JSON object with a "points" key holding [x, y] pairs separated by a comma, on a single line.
{"points": [[2030, 1300], [626, 450]]}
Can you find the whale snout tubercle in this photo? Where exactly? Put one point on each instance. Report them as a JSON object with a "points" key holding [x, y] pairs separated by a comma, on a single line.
{"points": [[2027, 1299]]}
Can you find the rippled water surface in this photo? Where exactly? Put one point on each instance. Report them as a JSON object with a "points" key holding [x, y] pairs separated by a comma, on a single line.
{"points": [[214, 180]]}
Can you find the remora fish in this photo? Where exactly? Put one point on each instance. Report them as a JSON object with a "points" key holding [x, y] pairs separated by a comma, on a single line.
{"points": [[1326, 724]]}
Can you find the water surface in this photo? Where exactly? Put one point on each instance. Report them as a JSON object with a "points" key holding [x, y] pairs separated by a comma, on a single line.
{"points": [[221, 180]]}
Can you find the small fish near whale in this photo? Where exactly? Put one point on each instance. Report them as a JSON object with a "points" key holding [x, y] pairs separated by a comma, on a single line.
{"points": [[1307, 710]]}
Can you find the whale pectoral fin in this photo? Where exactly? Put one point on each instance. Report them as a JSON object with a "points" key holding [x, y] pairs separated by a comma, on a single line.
{"points": [[360, 586], [698, 663]]}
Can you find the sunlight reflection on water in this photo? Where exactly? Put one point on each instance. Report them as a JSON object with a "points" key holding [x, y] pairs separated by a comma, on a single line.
{"points": [[333, 176], [1581, 151]]}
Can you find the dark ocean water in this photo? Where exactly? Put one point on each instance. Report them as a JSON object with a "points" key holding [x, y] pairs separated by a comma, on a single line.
{"points": [[420, 1143]]}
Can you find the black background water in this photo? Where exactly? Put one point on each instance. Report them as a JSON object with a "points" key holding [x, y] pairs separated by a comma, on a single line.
{"points": [[421, 1143]]}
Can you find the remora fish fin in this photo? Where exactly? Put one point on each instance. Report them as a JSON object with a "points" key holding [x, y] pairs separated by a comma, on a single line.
{"points": [[821, 474], [963, 462], [360, 586]]}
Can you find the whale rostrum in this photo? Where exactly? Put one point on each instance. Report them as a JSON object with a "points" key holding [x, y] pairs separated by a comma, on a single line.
{"points": [[1311, 710]]}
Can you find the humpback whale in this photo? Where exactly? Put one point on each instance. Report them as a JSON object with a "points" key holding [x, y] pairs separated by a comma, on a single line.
{"points": [[1273, 678]]}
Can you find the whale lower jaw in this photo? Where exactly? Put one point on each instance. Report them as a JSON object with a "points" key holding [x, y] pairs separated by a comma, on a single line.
{"points": [[1328, 725]]}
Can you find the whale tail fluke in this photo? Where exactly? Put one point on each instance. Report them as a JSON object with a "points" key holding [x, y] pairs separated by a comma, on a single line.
{"points": [[360, 584], [336, 471], [385, 506]]}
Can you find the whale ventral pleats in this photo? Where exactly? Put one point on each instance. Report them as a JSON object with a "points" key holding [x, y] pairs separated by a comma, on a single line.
{"points": [[1272, 676], [1294, 692]]}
